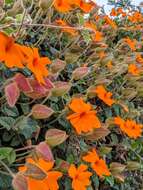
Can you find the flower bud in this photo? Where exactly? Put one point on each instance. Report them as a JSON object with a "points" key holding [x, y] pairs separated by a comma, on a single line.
{"points": [[80, 72], [16, 9], [19, 182], [57, 66], [45, 4], [60, 88], [55, 137], [104, 150], [40, 111], [117, 168], [91, 91], [132, 165], [97, 134], [44, 150]]}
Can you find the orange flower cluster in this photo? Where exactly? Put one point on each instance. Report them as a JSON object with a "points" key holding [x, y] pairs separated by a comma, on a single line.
{"points": [[136, 69], [109, 21], [48, 178], [131, 43], [15, 55], [68, 5], [136, 17], [97, 36], [133, 69], [80, 177], [71, 31], [139, 59], [130, 127], [84, 119], [97, 164], [117, 12], [104, 95]]}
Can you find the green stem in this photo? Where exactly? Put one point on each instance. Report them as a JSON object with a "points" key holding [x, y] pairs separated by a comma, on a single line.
{"points": [[7, 168]]}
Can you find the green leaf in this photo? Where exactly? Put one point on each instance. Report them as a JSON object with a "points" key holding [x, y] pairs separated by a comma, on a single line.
{"points": [[7, 153], [80, 19], [11, 157], [5, 182], [13, 112], [7, 122], [26, 126], [86, 36], [25, 108], [9, 1], [110, 180]]}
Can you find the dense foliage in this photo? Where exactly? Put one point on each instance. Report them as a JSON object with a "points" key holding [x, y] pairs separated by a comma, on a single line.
{"points": [[71, 95]]}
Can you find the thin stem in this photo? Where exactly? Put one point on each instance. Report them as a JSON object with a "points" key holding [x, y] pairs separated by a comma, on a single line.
{"points": [[4, 173], [48, 26], [7, 168], [25, 148]]}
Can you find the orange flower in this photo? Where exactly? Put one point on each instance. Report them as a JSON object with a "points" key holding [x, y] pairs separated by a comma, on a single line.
{"points": [[135, 17], [130, 127], [84, 119], [102, 54], [37, 64], [97, 164], [139, 58], [97, 36], [133, 69], [131, 43], [61, 22], [113, 12], [62, 5], [49, 182], [91, 26], [110, 22], [86, 6], [80, 177], [104, 95], [109, 65], [11, 52]]}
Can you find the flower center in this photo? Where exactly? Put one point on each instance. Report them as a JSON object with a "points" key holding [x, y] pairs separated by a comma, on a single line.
{"points": [[9, 44], [60, 3], [35, 61], [82, 114], [133, 127]]}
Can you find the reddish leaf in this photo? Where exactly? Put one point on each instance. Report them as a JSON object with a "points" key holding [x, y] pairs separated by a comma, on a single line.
{"points": [[22, 83], [39, 91], [48, 84], [40, 111], [12, 93]]}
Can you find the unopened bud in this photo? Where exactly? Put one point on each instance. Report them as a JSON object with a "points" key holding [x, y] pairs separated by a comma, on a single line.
{"points": [[60, 88], [57, 66], [55, 137], [80, 72], [132, 165], [19, 182], [44, 150], [45, 4]]}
